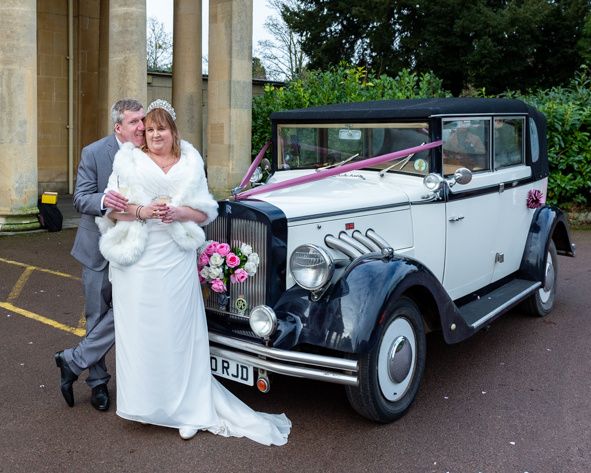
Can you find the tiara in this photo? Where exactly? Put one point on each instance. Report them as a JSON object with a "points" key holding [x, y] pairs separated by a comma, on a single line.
{"points": [[164, 105]]}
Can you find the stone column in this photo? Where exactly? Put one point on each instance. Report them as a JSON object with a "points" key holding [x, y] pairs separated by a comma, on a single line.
{"points": [[105, 127], [187, 83], [18, 103], [127, 50], [229, 93]]}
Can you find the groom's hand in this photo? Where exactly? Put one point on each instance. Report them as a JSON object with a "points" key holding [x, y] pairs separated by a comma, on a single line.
{"points": [[116, 201]]}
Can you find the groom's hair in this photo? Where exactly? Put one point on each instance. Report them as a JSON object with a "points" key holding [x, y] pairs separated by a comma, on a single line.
{"points": [[121, 106]]}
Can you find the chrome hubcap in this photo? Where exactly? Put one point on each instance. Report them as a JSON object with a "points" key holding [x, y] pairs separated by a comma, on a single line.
{"points": [[546, 291], [397, 359]]}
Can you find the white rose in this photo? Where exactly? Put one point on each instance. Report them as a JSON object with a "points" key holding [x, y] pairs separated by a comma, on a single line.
{"points": [[216, 260], [215, 272], [245, 249], [204, 272], [250, 268], [254, 258]]}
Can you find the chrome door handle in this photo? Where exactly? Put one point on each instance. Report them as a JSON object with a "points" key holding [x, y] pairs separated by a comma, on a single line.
{"points": [[456, 219]]}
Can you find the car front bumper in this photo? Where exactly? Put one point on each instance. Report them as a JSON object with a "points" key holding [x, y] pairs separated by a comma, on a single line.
{"points": [[290, 363]]}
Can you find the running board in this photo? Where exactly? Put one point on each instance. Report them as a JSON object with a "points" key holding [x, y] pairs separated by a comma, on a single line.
{"points": [[480, 311]]}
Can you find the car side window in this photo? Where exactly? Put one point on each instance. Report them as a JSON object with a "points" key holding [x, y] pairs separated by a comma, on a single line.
{"points": [[466, 143], [508, 141]]}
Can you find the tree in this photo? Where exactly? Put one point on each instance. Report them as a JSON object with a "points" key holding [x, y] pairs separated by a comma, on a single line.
{"points": [[282, 56], [491, 44], [258, 70], [158, 46]]}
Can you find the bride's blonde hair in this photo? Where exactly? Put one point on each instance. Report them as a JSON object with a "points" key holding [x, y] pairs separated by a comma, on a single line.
{"points": [[160, 117]]}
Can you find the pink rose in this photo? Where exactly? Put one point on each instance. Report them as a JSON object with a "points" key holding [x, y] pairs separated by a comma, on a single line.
{"points": [[211, 248], [217, 285], [239, 276], [232, 260], [223, 249], [203, 259]]}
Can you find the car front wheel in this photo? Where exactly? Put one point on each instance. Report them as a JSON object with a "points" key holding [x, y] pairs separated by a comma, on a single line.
{"points": [[390, 373]]}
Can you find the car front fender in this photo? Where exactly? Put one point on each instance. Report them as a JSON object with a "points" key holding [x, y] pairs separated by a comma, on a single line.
{"points": [[348, 315]]}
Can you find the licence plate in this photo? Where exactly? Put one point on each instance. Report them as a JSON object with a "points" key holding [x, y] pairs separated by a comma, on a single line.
{"points": [[231, 369]]}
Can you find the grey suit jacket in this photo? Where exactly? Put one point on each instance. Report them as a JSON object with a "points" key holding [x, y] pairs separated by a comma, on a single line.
{"points": [[94, 170]]}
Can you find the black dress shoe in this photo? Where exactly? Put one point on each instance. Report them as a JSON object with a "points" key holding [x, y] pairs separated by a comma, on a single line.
{"points": [[67, 378], [100, 397]]}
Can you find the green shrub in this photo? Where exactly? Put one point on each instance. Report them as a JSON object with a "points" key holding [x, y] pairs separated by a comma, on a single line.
{"points": [[568, 111], [339, 85]]}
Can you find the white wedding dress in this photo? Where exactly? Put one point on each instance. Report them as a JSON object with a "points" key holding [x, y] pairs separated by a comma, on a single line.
{"points": [[162, 346]]}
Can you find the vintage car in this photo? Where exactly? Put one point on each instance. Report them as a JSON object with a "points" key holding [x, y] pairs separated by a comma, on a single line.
{"points": [[380, 222]]}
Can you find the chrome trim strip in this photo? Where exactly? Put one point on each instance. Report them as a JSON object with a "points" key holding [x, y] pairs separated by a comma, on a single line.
{"points": [[510, 302], [284, 355], [347, 212], [289, 370]]}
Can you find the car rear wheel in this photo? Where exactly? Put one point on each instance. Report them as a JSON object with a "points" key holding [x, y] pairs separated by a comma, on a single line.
{"points": [[390, 374], [541, 302]]}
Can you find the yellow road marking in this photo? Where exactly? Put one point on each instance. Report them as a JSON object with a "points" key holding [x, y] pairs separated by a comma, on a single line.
{"points": [[22, 280], [44, 320], [18, 287], [43, 270]]}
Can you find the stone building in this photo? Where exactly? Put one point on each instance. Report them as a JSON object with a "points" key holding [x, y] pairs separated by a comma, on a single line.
{"points": [[64, 62]]}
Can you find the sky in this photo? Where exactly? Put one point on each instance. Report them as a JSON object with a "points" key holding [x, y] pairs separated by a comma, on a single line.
{"points": [[162, 10]]}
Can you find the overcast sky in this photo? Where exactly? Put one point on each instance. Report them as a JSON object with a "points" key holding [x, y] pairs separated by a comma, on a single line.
{"points": [[162, 9]]}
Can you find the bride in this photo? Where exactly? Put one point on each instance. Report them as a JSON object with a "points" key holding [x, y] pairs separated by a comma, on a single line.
{"points": [[162, 354]]}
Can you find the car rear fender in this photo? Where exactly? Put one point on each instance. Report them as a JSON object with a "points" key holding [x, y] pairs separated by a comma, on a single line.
{"points": [[548, 223]]}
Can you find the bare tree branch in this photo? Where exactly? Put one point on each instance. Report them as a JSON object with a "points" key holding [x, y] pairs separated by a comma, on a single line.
{"points": [[282, 56], [158, 46]]}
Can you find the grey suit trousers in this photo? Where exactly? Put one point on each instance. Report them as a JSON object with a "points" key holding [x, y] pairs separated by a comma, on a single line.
{"points": [[100, 331]]}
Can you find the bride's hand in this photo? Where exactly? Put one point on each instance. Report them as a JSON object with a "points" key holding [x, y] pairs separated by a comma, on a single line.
{"points": [[172, 214], [156, 210]]}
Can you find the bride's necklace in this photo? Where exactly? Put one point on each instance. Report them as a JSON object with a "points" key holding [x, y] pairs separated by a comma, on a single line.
{"points": [[162, 166]]}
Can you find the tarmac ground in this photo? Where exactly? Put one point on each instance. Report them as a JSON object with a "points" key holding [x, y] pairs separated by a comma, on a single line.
{"points": [[516, 397]]}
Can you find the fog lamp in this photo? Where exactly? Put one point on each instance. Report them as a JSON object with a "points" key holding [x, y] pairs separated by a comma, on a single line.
{"points": [[263, 321]]}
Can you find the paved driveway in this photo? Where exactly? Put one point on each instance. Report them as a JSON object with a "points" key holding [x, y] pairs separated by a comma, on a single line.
{"points": [[514, 398]]}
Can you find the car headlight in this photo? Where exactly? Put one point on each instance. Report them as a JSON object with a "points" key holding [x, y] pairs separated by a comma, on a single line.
{"points": [[311, 267], [263, 321]]}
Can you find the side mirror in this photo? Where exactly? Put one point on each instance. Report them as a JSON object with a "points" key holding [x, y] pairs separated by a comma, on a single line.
{"points": [[434, 181], [462, 176]]}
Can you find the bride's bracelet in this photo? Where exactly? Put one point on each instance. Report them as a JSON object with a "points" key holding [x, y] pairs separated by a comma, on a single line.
{"points": [[138, 214]]}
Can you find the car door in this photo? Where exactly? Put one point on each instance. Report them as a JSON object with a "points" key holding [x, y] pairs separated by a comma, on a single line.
{"points": [[471, 209]]}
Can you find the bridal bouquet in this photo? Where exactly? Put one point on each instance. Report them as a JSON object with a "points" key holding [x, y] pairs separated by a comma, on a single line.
{"points": [[220, 264]]}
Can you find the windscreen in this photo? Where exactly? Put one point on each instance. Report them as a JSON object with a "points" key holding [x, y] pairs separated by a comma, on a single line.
{"points": [[302, 146]]}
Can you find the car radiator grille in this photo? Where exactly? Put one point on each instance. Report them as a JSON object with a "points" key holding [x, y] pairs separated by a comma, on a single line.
{"points": [[236, 231]]}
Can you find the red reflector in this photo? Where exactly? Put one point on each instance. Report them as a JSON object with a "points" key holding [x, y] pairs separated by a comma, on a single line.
{"points": [[349, 226], [263, 385]]}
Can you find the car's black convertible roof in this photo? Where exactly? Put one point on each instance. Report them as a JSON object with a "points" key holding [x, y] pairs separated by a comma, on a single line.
{"points": [[405, 109]]}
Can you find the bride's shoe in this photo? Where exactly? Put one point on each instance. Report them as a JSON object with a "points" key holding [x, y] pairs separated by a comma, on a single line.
{"points": [[187, 433]]}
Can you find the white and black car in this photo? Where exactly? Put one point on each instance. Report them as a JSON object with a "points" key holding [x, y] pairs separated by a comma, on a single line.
{"points": [[380, 222]]}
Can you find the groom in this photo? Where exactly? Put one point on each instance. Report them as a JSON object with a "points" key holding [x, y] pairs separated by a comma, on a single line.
{"points": [[95, 167]]}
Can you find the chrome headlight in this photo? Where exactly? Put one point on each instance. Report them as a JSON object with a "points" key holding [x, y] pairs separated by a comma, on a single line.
{"points": [[311, 267], [263, 321]]}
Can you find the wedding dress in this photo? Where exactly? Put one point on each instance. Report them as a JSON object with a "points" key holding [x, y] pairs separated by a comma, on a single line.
{"points": [[162, 347]]}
